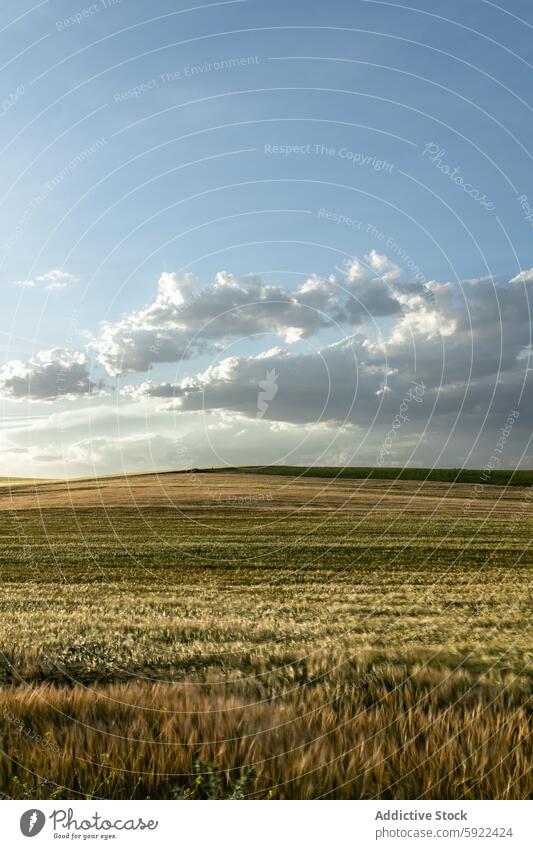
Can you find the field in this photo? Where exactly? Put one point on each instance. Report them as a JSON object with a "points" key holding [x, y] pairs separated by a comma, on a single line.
{"points": [[500, 477], [265, 636]]}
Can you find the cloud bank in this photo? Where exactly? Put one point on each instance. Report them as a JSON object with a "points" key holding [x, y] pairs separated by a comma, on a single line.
{"points": [[52, 374], [331, 359]]}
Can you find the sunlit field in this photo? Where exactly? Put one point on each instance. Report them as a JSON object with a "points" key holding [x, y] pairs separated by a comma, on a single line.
{"points": [[264, 636]]}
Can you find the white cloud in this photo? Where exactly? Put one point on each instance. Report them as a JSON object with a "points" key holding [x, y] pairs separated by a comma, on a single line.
{"points": [[149, 389], [184, 321], [382, 265], [52, 374], [467, 345], [50, 280], [523, 277], [467, 342], [320, 386]]}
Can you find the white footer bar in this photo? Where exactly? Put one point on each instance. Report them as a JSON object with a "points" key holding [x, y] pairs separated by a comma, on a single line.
{"points": [[263, 825]]}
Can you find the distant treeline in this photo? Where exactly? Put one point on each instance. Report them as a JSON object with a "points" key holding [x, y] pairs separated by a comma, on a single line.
{"points": [[500, 477]]}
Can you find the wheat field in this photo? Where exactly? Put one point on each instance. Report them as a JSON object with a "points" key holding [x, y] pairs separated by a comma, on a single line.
{"points": [[254, 636]]}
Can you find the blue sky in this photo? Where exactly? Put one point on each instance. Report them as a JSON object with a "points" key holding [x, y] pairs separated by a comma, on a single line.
{"points": [[379, 150]]}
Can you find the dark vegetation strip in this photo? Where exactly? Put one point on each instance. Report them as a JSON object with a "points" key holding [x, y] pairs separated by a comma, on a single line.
{"points": [[499, 477]]}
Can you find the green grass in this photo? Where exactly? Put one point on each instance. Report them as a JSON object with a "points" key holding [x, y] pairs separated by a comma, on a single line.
{"points": [[276, 650], [103, 596], [499, 477], [496, 477]]}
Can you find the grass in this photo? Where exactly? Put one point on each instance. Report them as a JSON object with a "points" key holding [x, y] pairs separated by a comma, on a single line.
{"points": [[244, 636], [494, 477], [497, 477], [9, 482]]}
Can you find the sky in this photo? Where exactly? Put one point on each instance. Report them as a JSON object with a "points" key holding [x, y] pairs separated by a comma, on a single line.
{"points": [[245, 232]]}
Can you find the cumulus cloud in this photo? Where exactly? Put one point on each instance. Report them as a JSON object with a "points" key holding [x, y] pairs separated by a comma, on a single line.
{"points": [[50, 280], [184, 321], [323, 386], [52, 374], [468, 343], [469, 347], [523, 277], [384, 266], [149, 389]]}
